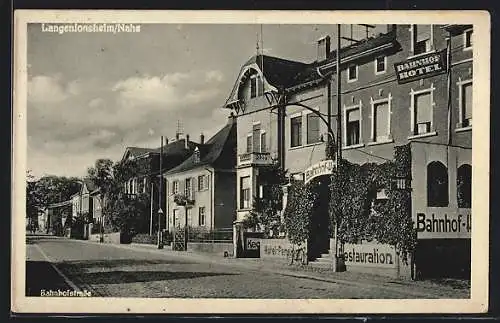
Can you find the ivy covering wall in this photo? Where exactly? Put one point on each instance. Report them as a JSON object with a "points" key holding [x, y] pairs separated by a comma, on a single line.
{"points": [[354, 206]]}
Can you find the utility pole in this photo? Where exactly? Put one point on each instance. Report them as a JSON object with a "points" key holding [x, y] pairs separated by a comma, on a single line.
{"points": [[339, 146], [160, 211], [151, 210]]}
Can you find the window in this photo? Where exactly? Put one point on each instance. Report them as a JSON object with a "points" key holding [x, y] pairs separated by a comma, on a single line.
{"points": [[422, 112], [263, 146], [144, 184], [421, 39], [175, 217], [352, 73], [189, 216], [465, 104], [312, 128], [249, 143], [468, 39], [196, 155], [464, 177], [380, 63], [437, 184], [188, 190], [201, 215], [353, 131], [296, 131], [245, 192], [175, 187], [253, 86], [202, 182], [256, 137], [381, 125]]}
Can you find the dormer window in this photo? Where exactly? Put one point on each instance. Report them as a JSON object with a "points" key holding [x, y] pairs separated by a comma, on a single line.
{"points": [[196, 155]]}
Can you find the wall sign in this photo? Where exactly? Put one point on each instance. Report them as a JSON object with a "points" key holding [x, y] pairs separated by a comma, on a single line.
{"points": [[443, 223], [324, 167], [421, 67], [370, 255]]}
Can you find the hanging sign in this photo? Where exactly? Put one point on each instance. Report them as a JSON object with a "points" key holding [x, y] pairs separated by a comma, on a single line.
{"points": [[421, 67], [324, 167]]}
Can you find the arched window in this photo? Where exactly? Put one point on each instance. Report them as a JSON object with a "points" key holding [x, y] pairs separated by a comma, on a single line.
{"points": [[464, 186], [437, 184]]}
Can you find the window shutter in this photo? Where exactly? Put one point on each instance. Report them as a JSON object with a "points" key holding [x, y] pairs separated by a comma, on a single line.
{"points": [[467, 101], [381, 119]]}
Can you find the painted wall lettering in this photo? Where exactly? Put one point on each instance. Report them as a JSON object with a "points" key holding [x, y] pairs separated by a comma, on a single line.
{"points": [[439, 225], [370, 255]]}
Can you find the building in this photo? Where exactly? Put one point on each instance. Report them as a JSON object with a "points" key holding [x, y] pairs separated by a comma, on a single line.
{"points": [[397, 88], [145, 181], [207, 178]]}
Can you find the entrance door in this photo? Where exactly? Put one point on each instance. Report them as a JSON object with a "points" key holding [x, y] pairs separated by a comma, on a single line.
{"points": [[320, 221]]}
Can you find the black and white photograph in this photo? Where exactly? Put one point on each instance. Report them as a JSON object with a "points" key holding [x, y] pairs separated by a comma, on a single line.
{"points": [[188, 162]]}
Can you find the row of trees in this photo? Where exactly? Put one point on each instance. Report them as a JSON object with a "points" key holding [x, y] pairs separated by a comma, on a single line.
{"points": [[121, 212]]}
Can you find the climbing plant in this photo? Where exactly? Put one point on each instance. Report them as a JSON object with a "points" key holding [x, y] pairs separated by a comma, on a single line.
{"points": [[265, 214], [299, 210], [356, 210]]}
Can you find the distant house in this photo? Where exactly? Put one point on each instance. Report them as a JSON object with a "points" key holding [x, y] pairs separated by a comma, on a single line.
{"points": [[145, 181], [207, 178]]}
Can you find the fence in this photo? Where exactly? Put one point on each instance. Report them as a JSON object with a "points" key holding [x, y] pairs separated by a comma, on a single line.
{"points": [[220, 235]]}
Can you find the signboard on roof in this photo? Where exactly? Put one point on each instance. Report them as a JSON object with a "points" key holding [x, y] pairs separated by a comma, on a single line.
{"points": [[421, 67]]}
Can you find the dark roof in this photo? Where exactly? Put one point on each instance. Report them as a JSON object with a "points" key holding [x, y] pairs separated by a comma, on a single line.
{"points": [[310, 74], [176, 147], [288, 74], [138, 151], [277, 71], [212, 150]]}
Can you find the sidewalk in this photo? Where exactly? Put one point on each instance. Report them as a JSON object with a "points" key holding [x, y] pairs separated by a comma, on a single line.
{"points": [[420, 289]]}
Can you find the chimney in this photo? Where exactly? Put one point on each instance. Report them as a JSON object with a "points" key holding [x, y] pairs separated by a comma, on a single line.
{"points": [[165, 140], [202, 139], [323, 48], [186, 142]]}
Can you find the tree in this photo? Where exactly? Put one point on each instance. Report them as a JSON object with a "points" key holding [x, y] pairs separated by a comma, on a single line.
{"points": [[265, 213]]}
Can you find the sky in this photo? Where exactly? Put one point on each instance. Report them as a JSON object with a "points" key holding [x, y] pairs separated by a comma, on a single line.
{"points": [[91, 95]]}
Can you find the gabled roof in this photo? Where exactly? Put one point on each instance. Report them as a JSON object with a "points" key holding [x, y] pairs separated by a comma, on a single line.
{"points": [[136, 151], [211, 152]]}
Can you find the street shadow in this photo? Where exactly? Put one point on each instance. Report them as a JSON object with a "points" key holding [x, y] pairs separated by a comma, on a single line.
{"points": [[40, 275], [111, 263], [121, 276]]}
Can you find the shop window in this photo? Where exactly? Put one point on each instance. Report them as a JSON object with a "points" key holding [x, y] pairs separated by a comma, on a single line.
{"points": [[422, 112], [201, 216], [380, 63], [465, 104], [421, 39], [296, 131], [464, 186], [245, 192], [437, 184], [353, 126], [312, 128]]}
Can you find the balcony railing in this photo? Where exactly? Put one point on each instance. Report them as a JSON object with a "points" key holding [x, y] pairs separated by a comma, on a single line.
{"points": [[254, 158]]}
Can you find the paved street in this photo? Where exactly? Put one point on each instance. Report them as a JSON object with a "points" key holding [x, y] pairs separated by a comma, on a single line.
{"points": [[127, 271]]}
